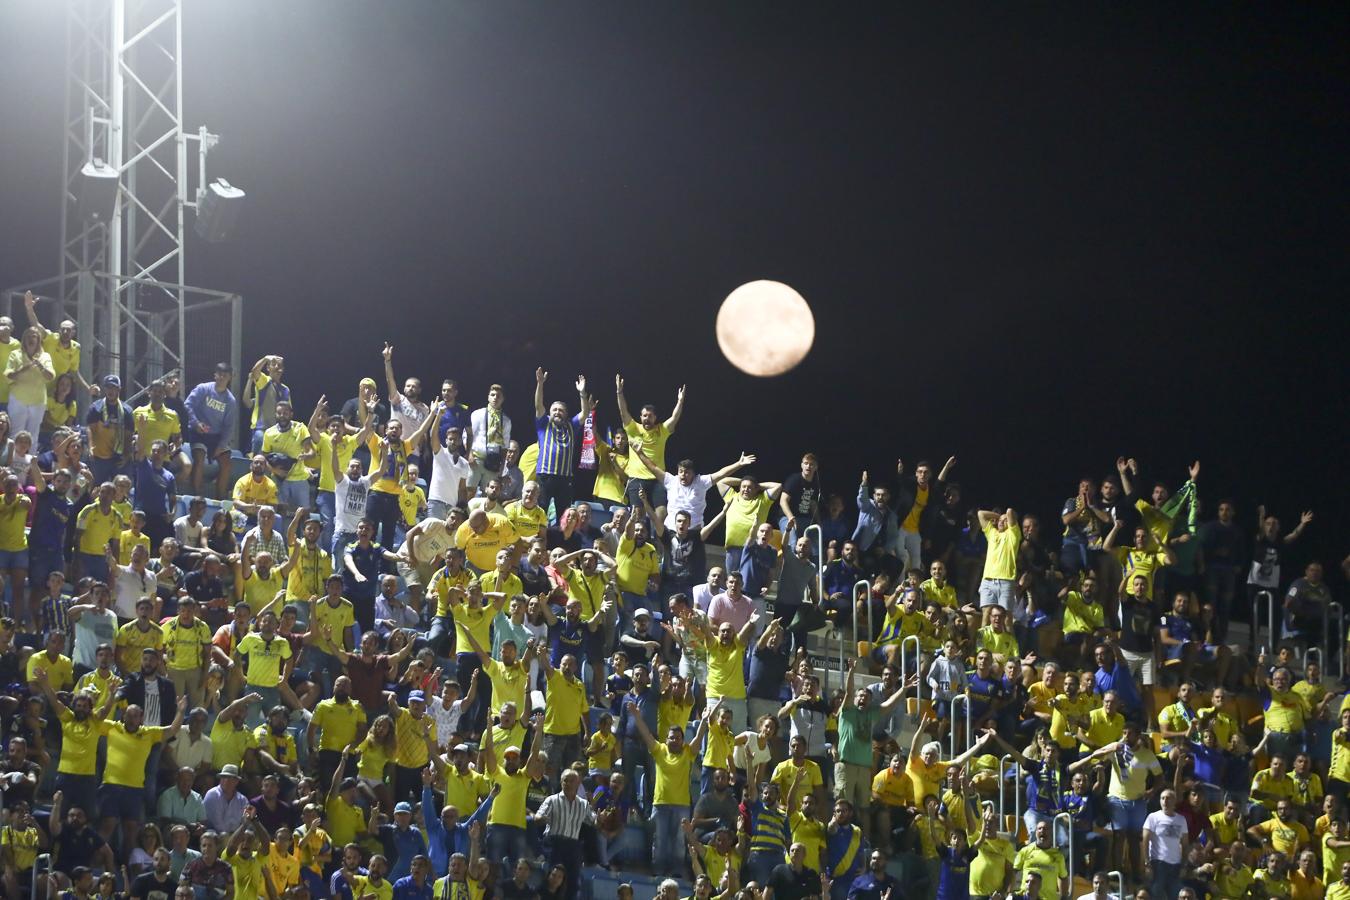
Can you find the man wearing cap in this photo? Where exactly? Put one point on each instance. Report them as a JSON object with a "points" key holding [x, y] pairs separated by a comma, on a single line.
{"points": [[564, 714], [225, 803], [415, 742], [464, 787], [111, 426], [506, 841], [643, 643], [563, 814], [212, 414], [402, 842]]}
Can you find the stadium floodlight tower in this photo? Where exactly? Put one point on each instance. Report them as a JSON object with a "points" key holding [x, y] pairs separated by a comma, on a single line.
{"points": [[125, 191]]}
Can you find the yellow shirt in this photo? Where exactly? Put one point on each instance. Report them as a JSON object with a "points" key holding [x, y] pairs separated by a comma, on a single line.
{"points": [[1340, 755], [411, 500], [989, 865], [811, 834], [292, 443], [911, 523], [1001, 559], [9, 346], [671, 713], [58, 414], [528, 522], [229, 744], [284, 867], [259, 591], [891, 789], [410, 735], [588, 590], [64, 359], [280, 747], [1279, 788], [98, 528], [509, 807], [262, 492], [1134, 563], [264, 658], [1081, 617], [440, 586], [634, 565], [1225, 726], [786, 772], [717, 753], [1002, 644], [30, 386], [312, 844], [508, 684], [345, 822], [94, 684], [726, 675], [183, 644], [127, 753], [1287, 712], [600, 751], [1275, 888], [338, 618], [743, 516], [481, 549], [566, 704], [1225, 831], [22, 843], [672, 775], [1103, 729], [1233, 881], [472, 620], [944, 594], [610, 479], [1305, 887], [1065, 710], [926, 779], [1049, 863], [493, 582], [79, 743], [61, 671], [382, 891], [652, 442], [13, 518], [127, 541], [464, 792], [338, 723], [309, 568], [374, 759], [154, 426], [387, 469], [323, 445]]}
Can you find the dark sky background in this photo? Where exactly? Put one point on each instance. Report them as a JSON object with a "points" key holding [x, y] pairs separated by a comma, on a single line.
{"points": [[1035, 236]]}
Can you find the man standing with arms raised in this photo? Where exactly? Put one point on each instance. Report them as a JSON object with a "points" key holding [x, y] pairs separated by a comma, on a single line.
{"points": [[559, 445]]}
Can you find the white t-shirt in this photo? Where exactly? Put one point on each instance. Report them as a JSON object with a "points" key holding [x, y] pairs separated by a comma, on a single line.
{"points": [[691, 498], [751, 753], [446, 474], [92, 629], [408, 414], [1165, 834], [350, 497], [188, 534], [132, 586]]}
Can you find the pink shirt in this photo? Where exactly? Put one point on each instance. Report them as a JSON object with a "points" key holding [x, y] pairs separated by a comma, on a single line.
{"points": [[737, 612]]}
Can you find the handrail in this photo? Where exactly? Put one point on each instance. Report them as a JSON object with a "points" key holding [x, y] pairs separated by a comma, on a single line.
{"points": [[1069, 818], [918, 664], [1307, 657], [1270, 616], [1335, 638], [1120, 882], [1002, 788], [867, 602], [965, 701], [37, 863], [820, 562], [1018, 794]]}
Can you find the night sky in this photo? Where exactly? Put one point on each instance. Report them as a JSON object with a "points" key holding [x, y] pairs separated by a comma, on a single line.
{"points": [[1035, 236]]}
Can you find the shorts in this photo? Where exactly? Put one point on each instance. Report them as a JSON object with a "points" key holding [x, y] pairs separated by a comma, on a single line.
{"points": [[208, 443], [1140, 664], [117, 801], [996, 592], [14, 559], [1127, 815], [42, 562], [415, 575]]}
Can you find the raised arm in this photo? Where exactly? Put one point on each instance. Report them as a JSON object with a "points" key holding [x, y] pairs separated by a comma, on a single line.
{"points": [[44, 683], [540, 376], [711, 525], [947, 468], [747, 459], [636, 715], [678, 411], [389, 381], [986, 518], [624, 417]]}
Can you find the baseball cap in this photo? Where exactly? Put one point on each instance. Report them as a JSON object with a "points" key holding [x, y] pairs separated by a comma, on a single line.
{"points": [[511, 750], [642, 611], [112, 381], [460, 748], [417, 696], [403, 807]]}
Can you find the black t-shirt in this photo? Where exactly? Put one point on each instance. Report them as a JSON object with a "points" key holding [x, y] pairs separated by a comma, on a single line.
{"points": [[768, 668], [76, 848], [569, 544], [685, 561], [512, 891], [204, 588], [149, 887], [802, 496], [790, 885], [1222, 544], [1136, 625]]}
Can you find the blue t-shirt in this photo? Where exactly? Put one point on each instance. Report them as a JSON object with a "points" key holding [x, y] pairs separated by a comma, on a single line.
{"points": [[1121, 681], [49, 522], [153, 488], [954, 882], [367, 561], [1080, 807], [983, 692], [1042, 788], [566, 638], [618, 684]]}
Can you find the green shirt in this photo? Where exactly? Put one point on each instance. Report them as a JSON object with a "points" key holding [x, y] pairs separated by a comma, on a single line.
{"points": [[855, 735]]}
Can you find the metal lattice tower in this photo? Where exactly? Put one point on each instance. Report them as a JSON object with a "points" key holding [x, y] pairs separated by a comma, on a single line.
{"points": [[123, 279]]}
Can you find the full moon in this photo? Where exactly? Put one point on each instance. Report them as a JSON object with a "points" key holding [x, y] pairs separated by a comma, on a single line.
{"points": [[765, 328]]}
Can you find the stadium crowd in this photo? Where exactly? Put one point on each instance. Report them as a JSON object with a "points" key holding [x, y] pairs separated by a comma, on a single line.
{"points": [[416, 650]]}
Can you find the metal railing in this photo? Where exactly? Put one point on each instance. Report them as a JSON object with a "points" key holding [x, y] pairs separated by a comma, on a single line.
{"points": [[37, 865], [1017, 794], [1119, 876], [918, 664], [964, 701], [1337, 638], [820, 560], [1068, 818], [866, 599], [1270, 616]]}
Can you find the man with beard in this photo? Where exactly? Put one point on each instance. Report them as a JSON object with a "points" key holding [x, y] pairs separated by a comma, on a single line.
{"points": [[416, 742], [75, 844], [369, 671], [559, 439], [80, 732], [155, 694], [245, 852], [564, 714], [405, 407], [337, 723], [158, 883], [506, 821], [876, 882]]}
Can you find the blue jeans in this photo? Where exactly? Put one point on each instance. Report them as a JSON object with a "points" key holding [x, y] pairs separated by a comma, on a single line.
{"points": [[152, 779], [442, 633], [340, 541], [95, 566], [438, 509], [506, 844], [324, 668], [1166, 879], [293, 494], [668, 843], [326, 501]]}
